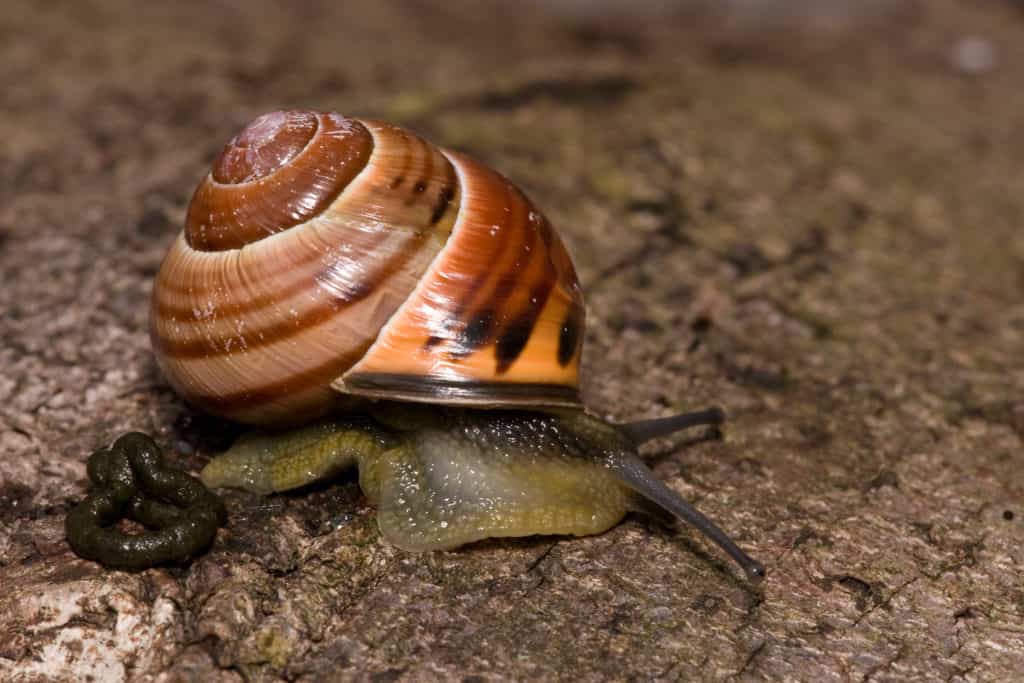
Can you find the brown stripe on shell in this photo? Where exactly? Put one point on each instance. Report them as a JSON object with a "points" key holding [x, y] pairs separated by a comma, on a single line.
{"points": [[333, 302], [418, 159], [454, 326], [477, 332], [420, 186], [363, 200], [571, 334], [444, 200], [403, 168], [263, 357], [499, 289], [264, 331], [515, 335], [446, 195], [449, 200], [494, 294], [250, 400], [266, 181], [305, 270], [510, 331], [283, 290], [507, 280]]}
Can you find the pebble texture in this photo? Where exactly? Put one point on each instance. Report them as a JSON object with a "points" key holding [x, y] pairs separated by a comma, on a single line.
{"points": [[812, 219]]}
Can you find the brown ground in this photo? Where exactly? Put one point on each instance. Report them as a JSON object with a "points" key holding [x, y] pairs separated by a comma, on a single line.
{"points": [[814, 224]]}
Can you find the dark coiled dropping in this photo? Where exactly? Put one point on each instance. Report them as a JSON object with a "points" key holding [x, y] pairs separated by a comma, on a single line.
{"points": [[131, 480]]}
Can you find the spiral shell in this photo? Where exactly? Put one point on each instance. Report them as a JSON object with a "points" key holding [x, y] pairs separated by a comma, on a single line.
{"points": [[324, 254]]}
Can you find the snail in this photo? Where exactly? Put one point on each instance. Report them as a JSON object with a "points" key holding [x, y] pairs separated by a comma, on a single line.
{"points": [[366, 298]]}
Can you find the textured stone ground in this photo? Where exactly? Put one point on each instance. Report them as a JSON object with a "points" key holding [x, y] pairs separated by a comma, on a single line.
{"points": [[812, 220]]}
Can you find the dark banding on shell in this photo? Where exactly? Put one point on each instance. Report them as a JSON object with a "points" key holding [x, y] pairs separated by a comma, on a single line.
{"points": [[404, 272], [280, 171], [474, 303], [489, 311], [514, 336], [571, 335], [516, 333], [485, 312], [258, 333], [444, 201], [475, 393], [332, 301], [519, 279], [305, 394]]}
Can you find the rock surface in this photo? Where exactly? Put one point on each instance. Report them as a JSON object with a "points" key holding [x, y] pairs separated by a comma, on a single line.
{"points": [[816, 224]]}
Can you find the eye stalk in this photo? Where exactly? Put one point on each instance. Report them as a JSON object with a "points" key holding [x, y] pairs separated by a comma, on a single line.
{"points": [[635, 474], [642, 431]]}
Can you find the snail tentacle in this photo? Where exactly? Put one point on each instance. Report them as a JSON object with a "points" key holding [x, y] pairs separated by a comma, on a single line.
{"points": [[635, 474], [642, 431]]}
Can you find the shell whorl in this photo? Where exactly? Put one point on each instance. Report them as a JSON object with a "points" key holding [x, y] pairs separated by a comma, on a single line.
{"points": [[282, 170], [324, 254]]}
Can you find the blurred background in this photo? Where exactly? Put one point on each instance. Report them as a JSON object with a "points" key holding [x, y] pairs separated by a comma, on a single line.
{"points": [[689, 148], [808, 211]]}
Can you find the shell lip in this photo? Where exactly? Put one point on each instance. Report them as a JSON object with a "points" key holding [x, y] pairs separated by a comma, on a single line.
{"points": [[403, 387]]}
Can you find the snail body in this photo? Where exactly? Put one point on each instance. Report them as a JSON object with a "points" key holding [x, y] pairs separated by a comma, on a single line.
{"points": [[330, 262]]}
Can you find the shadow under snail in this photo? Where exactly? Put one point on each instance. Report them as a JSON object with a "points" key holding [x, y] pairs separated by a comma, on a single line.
{"points": [[405, 309]]}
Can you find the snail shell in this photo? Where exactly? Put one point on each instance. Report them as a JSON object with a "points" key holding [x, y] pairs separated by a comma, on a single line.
{"points": [[325, 255]]}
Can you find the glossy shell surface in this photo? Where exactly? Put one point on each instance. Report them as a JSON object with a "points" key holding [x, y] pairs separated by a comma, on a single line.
{"points": [[325, 255]]}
